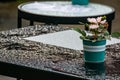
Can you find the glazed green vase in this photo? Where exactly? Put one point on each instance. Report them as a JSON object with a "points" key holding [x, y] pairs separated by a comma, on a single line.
{"points": [[94, 52], [80, 2]]}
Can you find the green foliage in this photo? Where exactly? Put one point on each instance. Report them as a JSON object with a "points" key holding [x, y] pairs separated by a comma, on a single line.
{"points": [[116, 34], [80, 31], [21, 1]]}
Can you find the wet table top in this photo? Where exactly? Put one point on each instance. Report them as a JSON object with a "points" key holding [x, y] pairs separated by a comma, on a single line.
{"points": [[14, 49], [65, 8]]}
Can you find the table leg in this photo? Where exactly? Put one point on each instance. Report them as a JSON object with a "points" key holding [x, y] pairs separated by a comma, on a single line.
{"points": [[110, 26], [31, 23], [19, 24]]}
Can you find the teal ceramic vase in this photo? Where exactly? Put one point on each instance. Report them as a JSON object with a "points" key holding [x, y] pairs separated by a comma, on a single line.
{"points": [[94, 52], [80, 2]]}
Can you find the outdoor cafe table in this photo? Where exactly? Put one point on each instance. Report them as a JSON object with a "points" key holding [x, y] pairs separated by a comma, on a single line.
{"points": [[25, 59], [62, 12]]}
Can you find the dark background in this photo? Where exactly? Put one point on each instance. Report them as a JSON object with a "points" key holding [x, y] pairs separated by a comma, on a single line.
{"points": [[8, 13]]}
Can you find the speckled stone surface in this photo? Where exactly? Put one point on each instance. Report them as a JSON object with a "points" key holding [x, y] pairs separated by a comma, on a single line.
{"points": [[16, 50]]}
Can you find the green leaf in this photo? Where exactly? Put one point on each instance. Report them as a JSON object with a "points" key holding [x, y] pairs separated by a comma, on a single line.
{"points": [[76, 29], [83, 33], [116, 34], [94, 40], [82, 37], [106, 33], [80, 31], [81, 23], [86, 25], [99, 38], [101, 27]]}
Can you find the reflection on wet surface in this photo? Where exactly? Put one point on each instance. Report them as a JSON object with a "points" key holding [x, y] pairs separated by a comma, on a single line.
{"points": [[95, 69], [101, 71]]}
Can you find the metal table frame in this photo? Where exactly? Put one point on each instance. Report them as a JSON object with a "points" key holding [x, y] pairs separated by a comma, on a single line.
{"points": [[28, 73]]}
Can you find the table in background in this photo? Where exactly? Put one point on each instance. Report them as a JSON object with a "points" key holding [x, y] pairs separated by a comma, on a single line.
{"points": [[62, 12]]}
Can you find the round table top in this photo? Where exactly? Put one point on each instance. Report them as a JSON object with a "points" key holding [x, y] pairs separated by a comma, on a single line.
{"points": [[65, 8]]}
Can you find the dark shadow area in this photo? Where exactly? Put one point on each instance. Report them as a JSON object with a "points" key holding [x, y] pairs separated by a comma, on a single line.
{"points": [[7, 0]]}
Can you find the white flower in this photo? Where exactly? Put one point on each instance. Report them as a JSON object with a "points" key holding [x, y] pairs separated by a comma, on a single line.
{"points": [[92, 20], [99, 19], [93, 26], [103, 22]]}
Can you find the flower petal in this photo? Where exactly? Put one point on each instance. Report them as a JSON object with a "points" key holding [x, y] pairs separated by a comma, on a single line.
{"points": [[93, 26], [92, 20]]}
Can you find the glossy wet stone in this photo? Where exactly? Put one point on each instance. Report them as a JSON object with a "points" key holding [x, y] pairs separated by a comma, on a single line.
{"points": [[16, 50]]}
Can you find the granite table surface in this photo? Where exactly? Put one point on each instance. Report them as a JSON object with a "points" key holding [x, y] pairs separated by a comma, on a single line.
{"points": [[15, 49]]}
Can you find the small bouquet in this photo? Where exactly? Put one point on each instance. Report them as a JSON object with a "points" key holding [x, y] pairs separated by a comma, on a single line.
{"points": [[97, 29]]}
